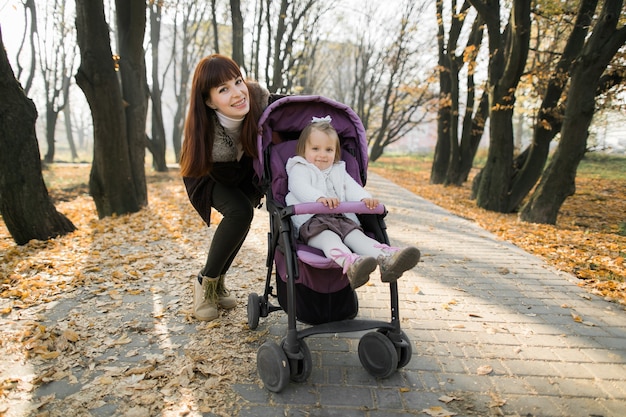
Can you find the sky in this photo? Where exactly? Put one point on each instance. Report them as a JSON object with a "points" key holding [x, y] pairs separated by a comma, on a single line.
{"points": [[11, 23]]}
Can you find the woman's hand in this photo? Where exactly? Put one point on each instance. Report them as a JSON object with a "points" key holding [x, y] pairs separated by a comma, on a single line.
{"points": [[329, 202], [370, 203]]}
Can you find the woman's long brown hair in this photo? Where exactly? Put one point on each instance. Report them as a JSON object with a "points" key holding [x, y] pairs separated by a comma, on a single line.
{"points": [[196, 154]]}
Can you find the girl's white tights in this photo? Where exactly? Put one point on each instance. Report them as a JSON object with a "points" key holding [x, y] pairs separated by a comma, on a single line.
{"points": [[355, 242]]}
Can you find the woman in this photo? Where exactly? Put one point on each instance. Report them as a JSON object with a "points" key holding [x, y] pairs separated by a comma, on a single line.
{"points": [[216, 165]]}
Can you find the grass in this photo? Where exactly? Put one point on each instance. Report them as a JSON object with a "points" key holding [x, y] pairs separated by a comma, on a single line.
{"points": [[593, 166], [603, 166]]}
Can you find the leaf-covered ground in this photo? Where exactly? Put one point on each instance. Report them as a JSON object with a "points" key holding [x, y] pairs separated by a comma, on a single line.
{"points": [[123, 341], [588, 241], [127, 339]]}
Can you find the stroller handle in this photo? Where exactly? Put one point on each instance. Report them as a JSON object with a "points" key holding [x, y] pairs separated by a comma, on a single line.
{"points": [[357, 207]]}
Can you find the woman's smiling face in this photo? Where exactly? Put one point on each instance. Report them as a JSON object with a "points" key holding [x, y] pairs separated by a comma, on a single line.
{"points": [[230, 98]]}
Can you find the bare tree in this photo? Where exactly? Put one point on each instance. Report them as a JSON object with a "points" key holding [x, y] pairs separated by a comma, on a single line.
{"points": [[404, 95], [367, 76], [29, 34], [454, 152], [156, 143], [257, 30], [190, 40], [215, 27], [283, 34], [315, 59], [25, 205], [117, 180], [67, 116], [56, 62], [237, 35]]}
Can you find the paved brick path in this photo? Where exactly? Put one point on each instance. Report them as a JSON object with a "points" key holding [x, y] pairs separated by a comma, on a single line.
{"points": [[495, 331]]}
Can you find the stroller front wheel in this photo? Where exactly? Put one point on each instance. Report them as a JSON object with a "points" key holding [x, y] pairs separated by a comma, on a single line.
{"points": [[378, 355], [302, 365], [405, 351], [403, 346], [254, 310], [273, 366]]}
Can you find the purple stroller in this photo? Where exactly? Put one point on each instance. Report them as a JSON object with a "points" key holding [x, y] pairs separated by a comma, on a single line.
{"points": [[311, 288]]}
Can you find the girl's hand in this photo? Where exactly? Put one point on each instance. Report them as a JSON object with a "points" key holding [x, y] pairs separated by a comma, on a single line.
{"points": [[329, 202], [370, 203]]}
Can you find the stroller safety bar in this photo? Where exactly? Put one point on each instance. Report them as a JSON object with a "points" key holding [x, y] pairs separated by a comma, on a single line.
{"points": [[357, 207]]}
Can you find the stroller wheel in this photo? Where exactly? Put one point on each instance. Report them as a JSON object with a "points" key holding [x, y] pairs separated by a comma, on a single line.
{"points": [[403, 346], [273, 366], [378, 355], [301, 367], [254, 310], [405, 350]]}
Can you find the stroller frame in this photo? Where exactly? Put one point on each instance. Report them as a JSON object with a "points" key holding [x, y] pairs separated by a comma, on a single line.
{"points": [[381, 352]]}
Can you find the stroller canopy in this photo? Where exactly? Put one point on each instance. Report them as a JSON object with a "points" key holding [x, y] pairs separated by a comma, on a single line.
{"points": [[285, 118]]}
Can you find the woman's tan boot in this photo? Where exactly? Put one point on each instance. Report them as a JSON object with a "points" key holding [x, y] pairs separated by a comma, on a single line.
{"points": [[224, 298], [205, 298]]}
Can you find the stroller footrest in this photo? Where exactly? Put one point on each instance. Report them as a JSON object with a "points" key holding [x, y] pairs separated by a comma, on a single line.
{"points": [[345, 326]]}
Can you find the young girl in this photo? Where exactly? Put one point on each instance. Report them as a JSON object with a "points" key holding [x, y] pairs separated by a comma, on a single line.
{"points": [[318, 174], [216, 165]]}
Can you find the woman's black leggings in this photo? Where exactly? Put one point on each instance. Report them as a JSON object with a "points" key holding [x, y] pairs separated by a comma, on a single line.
{"points": [[237, 209]]}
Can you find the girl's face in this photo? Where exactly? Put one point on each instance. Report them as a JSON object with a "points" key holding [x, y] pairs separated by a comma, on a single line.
{"points": [[320, 149], [230, 98]]}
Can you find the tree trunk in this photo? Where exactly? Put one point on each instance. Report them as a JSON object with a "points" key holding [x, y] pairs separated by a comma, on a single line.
{"points": [[453, 126], [51, 123], [216, 32], [549, 118], [237, 25], [67, 116], [471, 138], [453, 155], [492, 191], [157, 144], [111, 182], [441, 158], [558, 182], [131, 26], [473, 127], [25, 205], [29, 11], [508, 53]]}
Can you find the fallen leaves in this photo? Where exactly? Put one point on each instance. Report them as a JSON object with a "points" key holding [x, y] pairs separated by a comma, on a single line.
{"points": [[484, 370], [123, 336], [437, 411]]}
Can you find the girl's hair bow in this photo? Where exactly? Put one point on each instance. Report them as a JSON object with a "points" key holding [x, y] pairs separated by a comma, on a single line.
{"points": [[326, 118]]}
